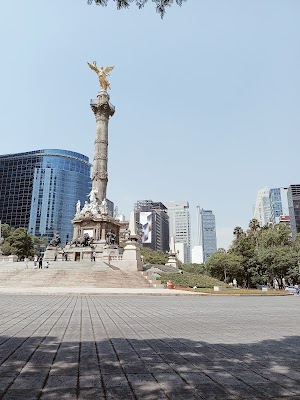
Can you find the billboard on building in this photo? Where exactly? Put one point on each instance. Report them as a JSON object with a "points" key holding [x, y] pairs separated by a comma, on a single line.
{"points": [[146, 222]]}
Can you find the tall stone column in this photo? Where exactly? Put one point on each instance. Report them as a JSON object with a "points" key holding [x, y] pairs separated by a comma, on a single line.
{"points": [[102, 110]]}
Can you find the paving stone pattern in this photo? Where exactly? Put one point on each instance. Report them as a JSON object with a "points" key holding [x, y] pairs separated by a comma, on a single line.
{"points": [[145, 347]]}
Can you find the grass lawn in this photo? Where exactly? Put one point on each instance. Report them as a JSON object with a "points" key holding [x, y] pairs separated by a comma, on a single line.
{"points": [[205, 284], [241, 292], [190, 280]]}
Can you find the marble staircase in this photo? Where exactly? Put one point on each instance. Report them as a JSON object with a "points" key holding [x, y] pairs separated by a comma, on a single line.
{"points": [[71, 278]]}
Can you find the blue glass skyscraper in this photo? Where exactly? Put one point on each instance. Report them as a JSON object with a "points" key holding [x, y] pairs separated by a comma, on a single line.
{"points": [[276, 204], [39, 190], [208, 235]]}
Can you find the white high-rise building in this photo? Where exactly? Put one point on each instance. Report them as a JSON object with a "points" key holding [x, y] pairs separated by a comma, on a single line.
{"points": [[197, 254], [197, 250], [180, 228], [263, 211]]}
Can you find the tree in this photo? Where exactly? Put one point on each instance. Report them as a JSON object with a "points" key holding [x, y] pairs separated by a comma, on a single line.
{"points": [[244, 246], [161, 5], [277, 235], [153, 256], [224, 266], [6, 249], [265, 253], [279, 262], [39, 244], [193, 268], [238, 232], [6, 230], [21, 243], [254, 226]]}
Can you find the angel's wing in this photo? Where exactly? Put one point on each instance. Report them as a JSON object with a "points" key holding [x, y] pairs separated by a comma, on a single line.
{"points": [[108, 70], [93, 67]]}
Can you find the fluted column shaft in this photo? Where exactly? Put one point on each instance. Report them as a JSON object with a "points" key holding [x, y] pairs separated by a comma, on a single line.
{"points": [[102, 110]]}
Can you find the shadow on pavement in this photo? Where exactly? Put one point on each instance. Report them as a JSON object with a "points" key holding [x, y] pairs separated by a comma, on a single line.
{"points": [[119, 368]]}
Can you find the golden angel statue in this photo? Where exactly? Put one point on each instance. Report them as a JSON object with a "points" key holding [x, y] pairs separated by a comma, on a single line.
{"points": [[102, 74]]}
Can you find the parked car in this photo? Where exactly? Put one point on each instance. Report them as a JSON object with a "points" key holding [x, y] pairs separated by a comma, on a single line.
{"points": [[292, 289]]}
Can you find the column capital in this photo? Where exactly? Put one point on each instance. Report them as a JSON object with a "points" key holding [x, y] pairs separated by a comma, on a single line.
{"points": [[102, 106]]}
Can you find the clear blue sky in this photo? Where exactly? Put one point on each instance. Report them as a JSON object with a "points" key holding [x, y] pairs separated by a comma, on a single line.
{"points": [[207, 99]]}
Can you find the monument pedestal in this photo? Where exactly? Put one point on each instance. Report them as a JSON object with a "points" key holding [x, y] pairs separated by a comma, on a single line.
{"points": [[92, 232], [51, 253], [130, 260], [172, 261], [97, 226]]}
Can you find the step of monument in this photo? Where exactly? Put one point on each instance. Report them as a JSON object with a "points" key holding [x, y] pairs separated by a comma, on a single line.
{"points": [[72, 278], [99, 265]]}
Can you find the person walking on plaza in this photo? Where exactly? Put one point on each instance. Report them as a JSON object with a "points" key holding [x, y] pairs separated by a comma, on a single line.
{"points": [[35, 258], [26, 262], [40, 262], [94, 256]]}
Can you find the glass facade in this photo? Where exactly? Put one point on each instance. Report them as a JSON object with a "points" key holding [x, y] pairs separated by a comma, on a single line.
{"points": [[276, 204], [180, 227], [208, 233], [39, 190], [294, 208]]}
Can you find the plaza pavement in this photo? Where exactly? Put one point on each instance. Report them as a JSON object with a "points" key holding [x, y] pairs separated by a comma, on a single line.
{"points": [[149, 347]]}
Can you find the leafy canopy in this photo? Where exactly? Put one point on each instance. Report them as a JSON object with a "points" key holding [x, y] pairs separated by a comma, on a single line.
{"points": [[153, 256], [260, 255], [20, 243], [161, 5]]}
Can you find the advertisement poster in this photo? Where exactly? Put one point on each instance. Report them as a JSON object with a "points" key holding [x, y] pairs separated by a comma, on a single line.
{"points": [[146, 221]]}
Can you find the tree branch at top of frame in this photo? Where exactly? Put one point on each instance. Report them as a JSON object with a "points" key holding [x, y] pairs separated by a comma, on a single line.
{"points": [[161, 5]]}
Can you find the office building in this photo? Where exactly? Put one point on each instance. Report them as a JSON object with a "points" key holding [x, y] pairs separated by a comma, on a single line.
{"points": [[39, 190], [276, 204], [270, 205], [180, 228], [262, 211], [197, 254], [293, 196], [207, 233], [155, 224]]}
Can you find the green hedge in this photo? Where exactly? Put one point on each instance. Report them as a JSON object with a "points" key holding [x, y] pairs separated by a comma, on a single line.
{"points": [[191, 280], [193, 268]]}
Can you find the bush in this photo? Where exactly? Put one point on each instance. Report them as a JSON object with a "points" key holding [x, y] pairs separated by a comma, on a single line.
{"points": [[153, 256], [193, 268]]}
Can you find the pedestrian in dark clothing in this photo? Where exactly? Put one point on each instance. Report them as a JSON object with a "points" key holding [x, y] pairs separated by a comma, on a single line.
{"points": [[40, 263]]}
